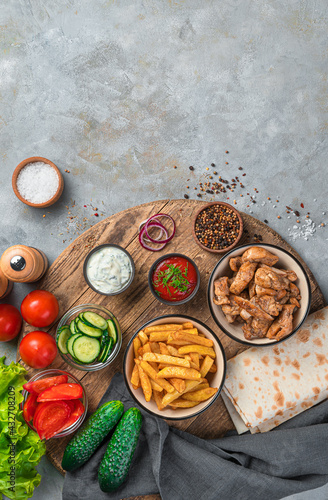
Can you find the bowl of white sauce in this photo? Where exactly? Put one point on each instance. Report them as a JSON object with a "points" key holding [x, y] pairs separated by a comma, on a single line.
{"points": [[108, 269]]}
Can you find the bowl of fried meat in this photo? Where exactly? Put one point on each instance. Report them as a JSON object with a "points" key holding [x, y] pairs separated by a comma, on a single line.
{"points": [[259, 295]]}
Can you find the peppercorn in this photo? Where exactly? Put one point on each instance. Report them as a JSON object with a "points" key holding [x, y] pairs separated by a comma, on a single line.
{"points": [[186, 196], [191, 167], [212, 164]]}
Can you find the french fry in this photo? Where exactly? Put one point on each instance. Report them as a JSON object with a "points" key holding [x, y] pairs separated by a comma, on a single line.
{"points": [[190, 384], [173, 351], [201, 395], [143, 337], [153, 375], [135, 379], [187, 325], [195, 359], [192, 364], [206, 366], [183, 403], [163, 348], [204, 385], [186, 349], [155, 347], [136, 346], [146, 347], [163, 358], [140, 352], [145, 383], [159, 336], [155, 385], [213, 368], [191, 339], [178, 372], [163, 328], [158, 400], [178, 383]]}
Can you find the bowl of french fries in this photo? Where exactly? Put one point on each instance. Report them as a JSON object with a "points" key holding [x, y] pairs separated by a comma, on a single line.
{"points": [[259, 295], [174, 367]]}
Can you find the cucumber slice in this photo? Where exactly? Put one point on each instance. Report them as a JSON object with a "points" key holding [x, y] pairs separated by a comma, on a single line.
{"points": [[69, 343], [89, 330], [111, 327], [106, 351], [94, 319], [62, 338], [86, 349], [72, 327]]}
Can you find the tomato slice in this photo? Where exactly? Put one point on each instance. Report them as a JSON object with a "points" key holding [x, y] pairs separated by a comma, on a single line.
{"points": [[61, 392], [40, 385], [50, 418], [77, 409], [30, 407]]}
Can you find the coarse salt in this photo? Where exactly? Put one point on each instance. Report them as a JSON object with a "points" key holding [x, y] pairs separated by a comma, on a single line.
{"points": [[37, 182]]}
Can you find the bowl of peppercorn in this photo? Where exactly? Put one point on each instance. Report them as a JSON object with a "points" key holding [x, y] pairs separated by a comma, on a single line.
{"points": [[217, 227]]}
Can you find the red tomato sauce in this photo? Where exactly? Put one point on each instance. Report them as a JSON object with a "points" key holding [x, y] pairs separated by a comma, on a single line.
{"points": [[174, 279]]}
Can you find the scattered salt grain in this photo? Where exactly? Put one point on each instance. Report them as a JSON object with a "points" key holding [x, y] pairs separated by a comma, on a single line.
{"points": [[37, 182], [303, 231]]}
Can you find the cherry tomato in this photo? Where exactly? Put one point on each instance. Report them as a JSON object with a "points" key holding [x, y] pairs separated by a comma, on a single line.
{"points": [[38, 349], [61, 392], [77, 409], [50, 418], [10, 322], [40, 308], [40, 385], [30, 407]]}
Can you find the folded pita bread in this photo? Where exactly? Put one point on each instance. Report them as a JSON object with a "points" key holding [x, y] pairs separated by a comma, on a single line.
{"points": [[269, 385]]}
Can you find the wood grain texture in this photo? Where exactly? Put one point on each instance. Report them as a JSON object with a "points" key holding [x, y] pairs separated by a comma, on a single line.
{"points": [[137, 305]]}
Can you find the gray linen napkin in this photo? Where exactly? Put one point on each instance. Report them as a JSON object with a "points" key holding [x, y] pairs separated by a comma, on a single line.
{"points": [[290, 459]]}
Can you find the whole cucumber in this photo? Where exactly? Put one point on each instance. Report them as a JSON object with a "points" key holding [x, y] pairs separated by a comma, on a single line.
{"points": [[92, 433], [116, 462]]}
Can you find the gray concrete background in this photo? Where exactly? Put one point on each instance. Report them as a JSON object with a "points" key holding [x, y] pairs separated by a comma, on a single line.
{"points": [[119, 92]]}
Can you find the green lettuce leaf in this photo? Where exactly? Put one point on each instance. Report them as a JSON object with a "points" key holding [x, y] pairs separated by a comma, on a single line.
{"points": [[20, 448]]}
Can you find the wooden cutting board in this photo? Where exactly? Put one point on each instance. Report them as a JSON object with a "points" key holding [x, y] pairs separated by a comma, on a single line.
{"points": [[137, 305]]}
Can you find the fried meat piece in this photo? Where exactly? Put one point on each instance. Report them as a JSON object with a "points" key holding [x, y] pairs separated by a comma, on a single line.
{"points": [[293, 300], [252, 309], [268, 304], [294, 291], [243, 277], [221, 291], [283, 325], [235, 263], [290, 275], [269, 279], [260, 327], [260, 255], [251, 289]]}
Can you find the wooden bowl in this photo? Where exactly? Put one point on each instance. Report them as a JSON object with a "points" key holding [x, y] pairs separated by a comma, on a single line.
{"points": [[226, 249], [34, 159], [216, 379], [286, 261]]}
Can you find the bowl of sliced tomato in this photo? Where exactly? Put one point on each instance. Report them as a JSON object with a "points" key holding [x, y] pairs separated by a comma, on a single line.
{"points": [[55, 403]]}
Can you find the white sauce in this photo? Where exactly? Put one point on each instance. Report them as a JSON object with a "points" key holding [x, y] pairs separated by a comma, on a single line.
{"points": [[109, 269]]}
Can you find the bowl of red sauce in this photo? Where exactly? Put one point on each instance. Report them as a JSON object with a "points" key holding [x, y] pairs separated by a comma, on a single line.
{"points": [[174, 279]]}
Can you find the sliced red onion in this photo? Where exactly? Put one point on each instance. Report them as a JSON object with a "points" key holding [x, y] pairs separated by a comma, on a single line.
{"points": [[142, 239], [153, 222], [154, 217]]}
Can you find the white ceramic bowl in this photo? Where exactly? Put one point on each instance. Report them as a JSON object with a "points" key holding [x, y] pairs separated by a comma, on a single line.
{"points": [[215, 379], [286, 261]]}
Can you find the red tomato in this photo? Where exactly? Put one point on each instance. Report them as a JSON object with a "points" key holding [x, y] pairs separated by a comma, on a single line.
{"points": [[38, 349], [61, 392], [50, 418], [30, 407], [10, 322], [40, 385], [40, 308], [77, 409]]}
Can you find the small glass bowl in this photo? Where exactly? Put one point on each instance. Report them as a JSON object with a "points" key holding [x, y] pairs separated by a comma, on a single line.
{"points": [[71, 378], [71, 314]]}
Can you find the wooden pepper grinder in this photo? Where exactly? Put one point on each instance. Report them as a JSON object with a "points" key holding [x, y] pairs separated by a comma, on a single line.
{"points": [[6, 286], [23, 264]]}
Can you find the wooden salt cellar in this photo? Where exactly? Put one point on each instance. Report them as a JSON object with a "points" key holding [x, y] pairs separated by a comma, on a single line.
{"points": [[6, 286], [23, 264]]}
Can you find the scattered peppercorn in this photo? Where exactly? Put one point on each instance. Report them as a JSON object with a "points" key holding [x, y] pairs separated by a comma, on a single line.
{"points": [[212, 164], [266, 221], [278, 217], [296, 212], [191, 167], [199, 195], [298, 221], [217, 227], [186, 196], [240, 168], [207, 168], [226, 163], [227, 152], [174, 166]]}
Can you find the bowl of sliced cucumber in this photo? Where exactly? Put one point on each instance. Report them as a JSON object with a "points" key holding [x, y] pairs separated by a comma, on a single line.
{"points": [[88, 337]]}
